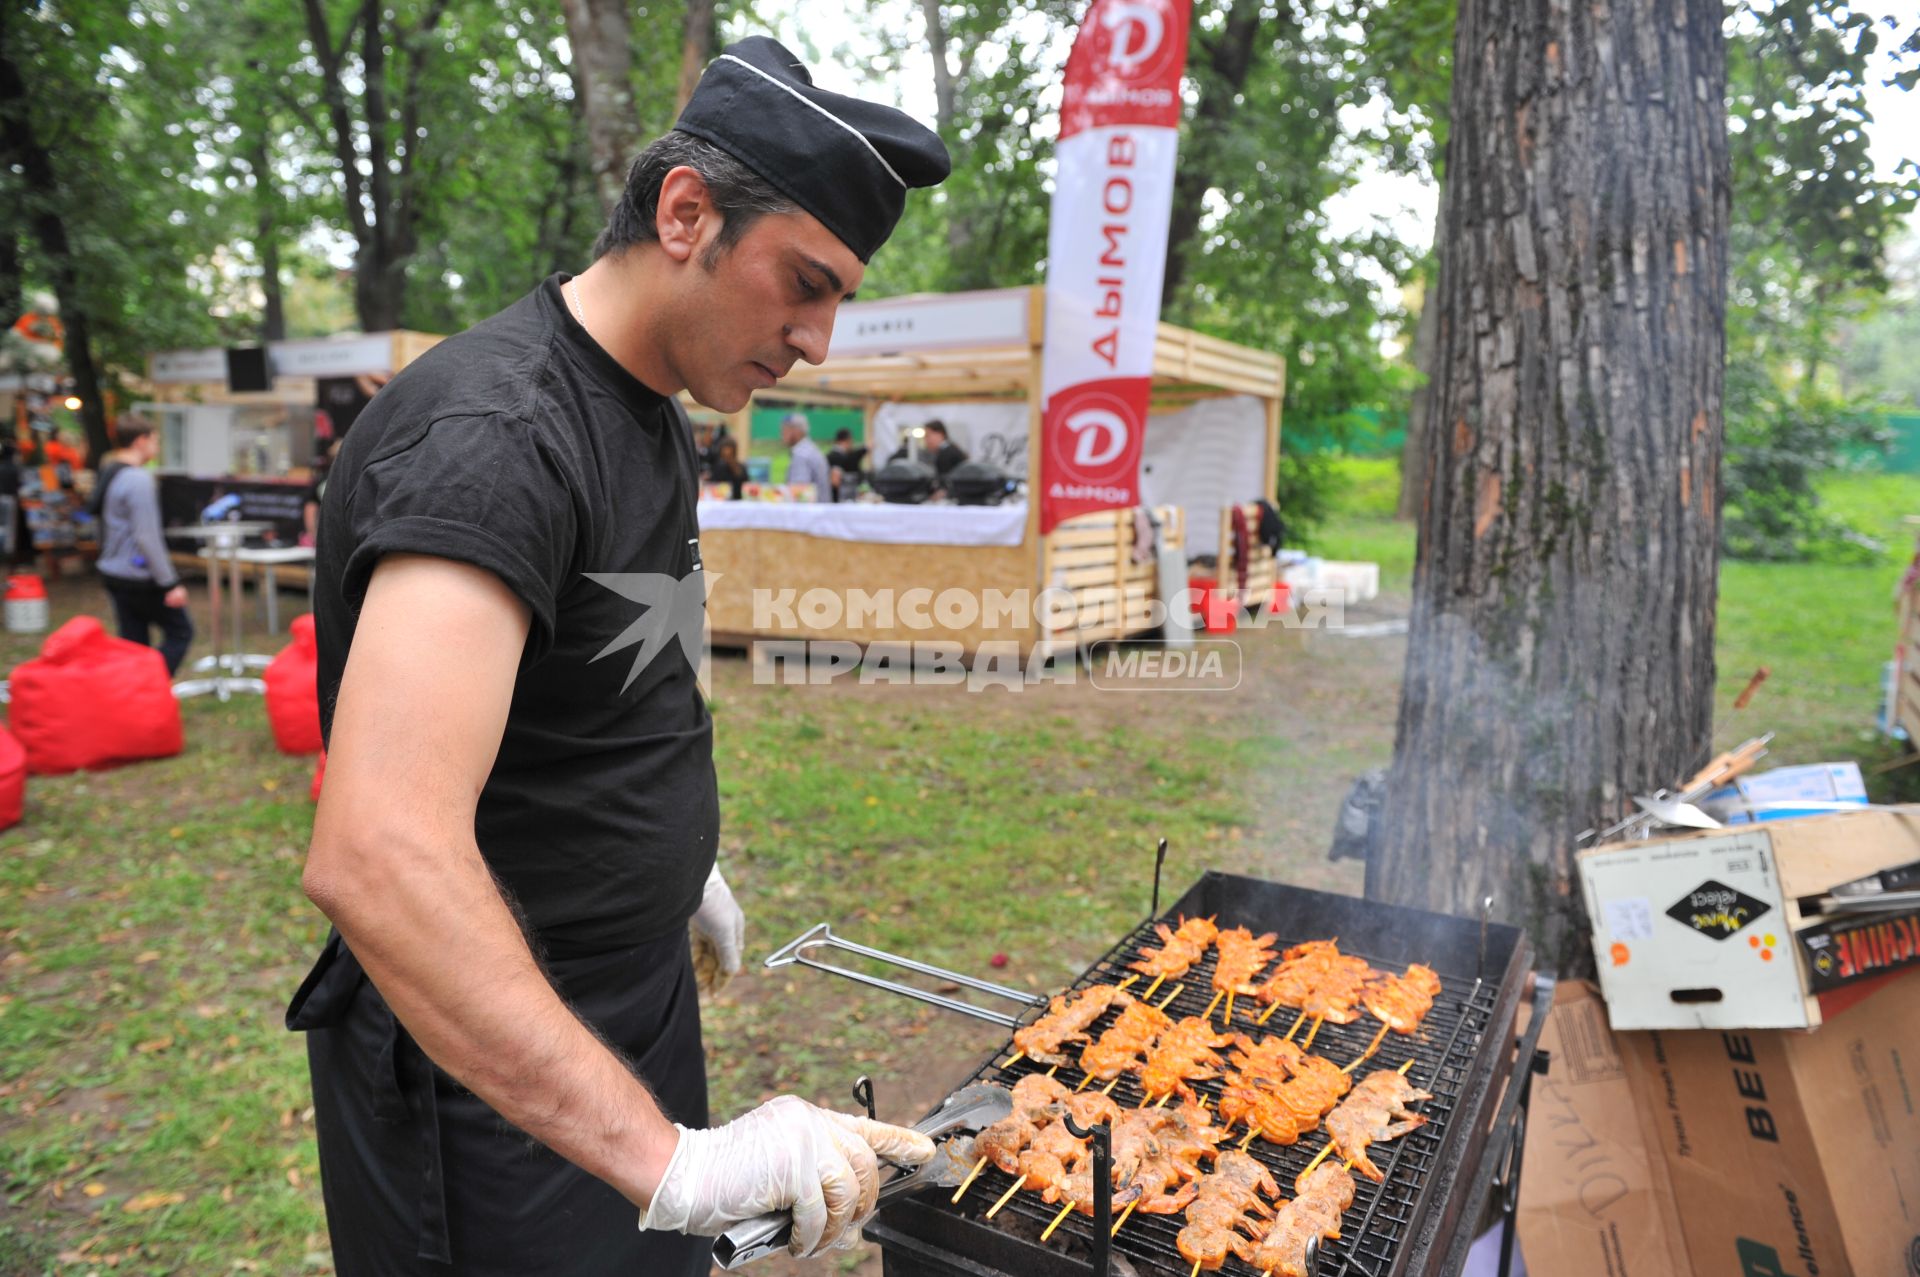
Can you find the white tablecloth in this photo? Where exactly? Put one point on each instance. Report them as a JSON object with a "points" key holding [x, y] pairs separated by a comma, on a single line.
{"points": [[887, 524]]}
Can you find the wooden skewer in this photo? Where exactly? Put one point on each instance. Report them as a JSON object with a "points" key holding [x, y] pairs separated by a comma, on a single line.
{"points": [[1308, 1042], [1150, 988], [1267, 1014], [1006, 1197], [1055, 1069], [1163, 1100], [1196, 1269], [1014, 1059], [1177, 989], [1229, 1019], [1108, 1088], [1371, 1048], [1404, 1067], [1251, 1132], [1129, 980], [1318, 1158], [1064, 1212], [1083, 1083], [1298, 1021], [972, 1175], [1123, 1216], [1208, 1013]]}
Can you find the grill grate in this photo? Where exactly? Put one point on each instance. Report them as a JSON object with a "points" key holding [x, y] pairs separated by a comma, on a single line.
{"points": [[1382, 1215]]}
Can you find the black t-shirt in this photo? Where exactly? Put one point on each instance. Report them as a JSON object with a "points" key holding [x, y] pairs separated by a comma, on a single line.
{"points": [[522, 447]]}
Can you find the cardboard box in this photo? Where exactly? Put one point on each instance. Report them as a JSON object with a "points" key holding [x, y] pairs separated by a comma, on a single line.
{"points": [[1698, 930], [1594, 1200], [1756, 1153]]}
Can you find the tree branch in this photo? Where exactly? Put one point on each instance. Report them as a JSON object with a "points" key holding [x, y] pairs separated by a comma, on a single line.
{"points": [[340, 115]]}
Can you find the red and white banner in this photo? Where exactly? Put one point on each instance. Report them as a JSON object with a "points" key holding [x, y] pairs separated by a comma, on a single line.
{"points": [[1107, 250]]}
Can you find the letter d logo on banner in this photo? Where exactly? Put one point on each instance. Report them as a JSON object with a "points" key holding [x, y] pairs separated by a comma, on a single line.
{"points": [[1106, 252]]}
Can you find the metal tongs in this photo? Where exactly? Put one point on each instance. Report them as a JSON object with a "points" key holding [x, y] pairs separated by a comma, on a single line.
{"points": [[965, 1113], [821, 937]]}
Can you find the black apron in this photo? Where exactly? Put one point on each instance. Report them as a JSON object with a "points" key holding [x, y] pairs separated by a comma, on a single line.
{"points": [[420, 1176]]}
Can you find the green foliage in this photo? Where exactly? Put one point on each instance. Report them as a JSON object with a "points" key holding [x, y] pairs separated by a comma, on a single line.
{"points": [[1778, 446], [1807, 253], [142, 220]]}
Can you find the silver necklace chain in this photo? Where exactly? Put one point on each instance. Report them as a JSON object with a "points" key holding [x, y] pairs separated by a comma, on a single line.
{"points": [[578, 313]]}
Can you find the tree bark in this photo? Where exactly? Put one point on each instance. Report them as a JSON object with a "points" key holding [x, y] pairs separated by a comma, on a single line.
{"points": [[600, 33], [1229, 56], [696, 50], [1561, 650], [21, 146]]}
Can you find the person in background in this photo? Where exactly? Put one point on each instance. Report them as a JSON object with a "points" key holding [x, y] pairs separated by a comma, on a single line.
{"points": [[727, 468], [943, 452], [806, 465], [64, 448], [846, 460], [134, 565]]}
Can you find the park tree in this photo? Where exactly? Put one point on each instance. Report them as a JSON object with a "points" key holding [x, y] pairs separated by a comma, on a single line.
{"points": [[88, 96], [1560, 656]]}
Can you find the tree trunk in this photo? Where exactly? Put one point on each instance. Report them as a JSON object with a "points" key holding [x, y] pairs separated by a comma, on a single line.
{"points": [[266, 237], [1413, 452], [696, 50], [1229, 56], [21, 146], [1426, 332], [600, 33], [12, 278], [1561, 652]]}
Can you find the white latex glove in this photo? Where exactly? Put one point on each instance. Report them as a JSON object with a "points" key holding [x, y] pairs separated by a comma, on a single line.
{"points": [[785, 1155], [719, 926]]}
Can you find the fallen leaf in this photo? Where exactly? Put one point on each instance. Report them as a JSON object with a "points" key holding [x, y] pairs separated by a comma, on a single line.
{"points": [[151, 955], [269, 785], [152, 1201], [152, 1045], [175, 832], [94, 1189]]}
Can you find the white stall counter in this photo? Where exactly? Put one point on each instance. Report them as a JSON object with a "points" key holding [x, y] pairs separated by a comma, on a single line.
{"points": [[882, 524]]}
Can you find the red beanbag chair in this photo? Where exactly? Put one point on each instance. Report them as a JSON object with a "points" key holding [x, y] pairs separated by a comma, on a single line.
{"points": [[92, 700], [293, 691], [13, 780]]}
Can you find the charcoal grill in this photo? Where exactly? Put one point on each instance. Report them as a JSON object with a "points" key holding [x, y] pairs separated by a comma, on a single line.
{"points": [[1439, 1179]]}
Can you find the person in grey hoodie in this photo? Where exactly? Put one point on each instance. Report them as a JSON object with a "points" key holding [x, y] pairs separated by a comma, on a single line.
{"points": [[134, 565]]}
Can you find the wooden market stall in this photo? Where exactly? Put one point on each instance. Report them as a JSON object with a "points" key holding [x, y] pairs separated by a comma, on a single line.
{"points": [[248, 422], [904, 359]]}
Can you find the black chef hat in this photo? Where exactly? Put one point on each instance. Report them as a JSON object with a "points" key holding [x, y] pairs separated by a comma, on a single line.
{"points": [[847, 162]]}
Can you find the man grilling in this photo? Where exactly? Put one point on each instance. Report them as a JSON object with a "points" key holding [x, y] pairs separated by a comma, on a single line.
{"points": [[519, 818]]}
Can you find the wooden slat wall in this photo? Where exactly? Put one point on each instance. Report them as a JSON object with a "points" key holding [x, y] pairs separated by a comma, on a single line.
{"points": [[1092, 556]]}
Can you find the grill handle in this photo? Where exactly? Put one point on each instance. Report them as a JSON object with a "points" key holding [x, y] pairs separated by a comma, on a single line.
{"points": [[821, 936], [1102, 1137]]}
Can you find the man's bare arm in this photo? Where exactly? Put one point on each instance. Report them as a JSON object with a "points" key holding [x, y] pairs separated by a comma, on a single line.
{"points": [[422, 706]]}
